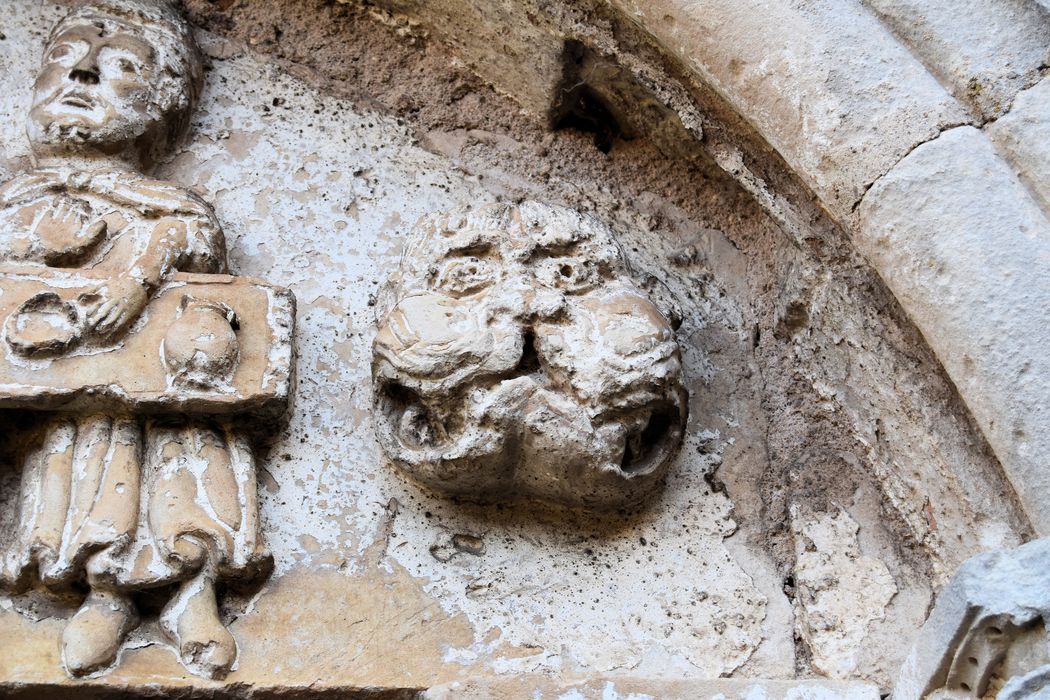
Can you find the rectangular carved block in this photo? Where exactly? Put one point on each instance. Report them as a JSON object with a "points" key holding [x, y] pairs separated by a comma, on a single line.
{"points": [[131, 371]]}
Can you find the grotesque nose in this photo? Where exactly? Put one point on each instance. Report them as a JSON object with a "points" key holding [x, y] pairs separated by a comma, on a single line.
{"points": [[613, 347], [630, 324], [543, 304], [86, 69]]}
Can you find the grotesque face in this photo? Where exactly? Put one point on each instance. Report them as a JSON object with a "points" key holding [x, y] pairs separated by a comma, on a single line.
{"points": [[117, 75], [517, 357]]}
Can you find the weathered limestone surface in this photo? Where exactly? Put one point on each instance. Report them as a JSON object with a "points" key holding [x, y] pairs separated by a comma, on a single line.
{"points": [[1031, 686], [842, 100], [642, 689], [319, 195], [525, 61], [558, 59], [377, 582], [1001, 45], [1023, 136], [840, 592], [984, 53], [825, 83], [966, 250]]}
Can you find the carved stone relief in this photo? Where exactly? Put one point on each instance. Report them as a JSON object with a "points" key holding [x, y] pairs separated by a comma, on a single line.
{"points": [[142, 359], [990, 625], [517, 357], [803, 529]]}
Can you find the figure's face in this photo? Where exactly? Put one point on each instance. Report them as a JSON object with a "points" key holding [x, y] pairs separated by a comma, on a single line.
{"points": [[516, 356], [95, 87]]}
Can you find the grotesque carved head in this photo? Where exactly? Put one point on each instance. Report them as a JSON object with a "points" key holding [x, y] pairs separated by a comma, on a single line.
{"points": [[116, 76], [517, 357]]}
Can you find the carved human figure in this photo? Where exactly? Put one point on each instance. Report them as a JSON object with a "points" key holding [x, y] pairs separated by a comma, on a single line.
{"points": [[516, 356], [118, 501]]}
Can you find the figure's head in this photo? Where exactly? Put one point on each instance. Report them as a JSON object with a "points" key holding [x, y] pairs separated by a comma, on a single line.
{"points": [[516, 356], [117, 76]]}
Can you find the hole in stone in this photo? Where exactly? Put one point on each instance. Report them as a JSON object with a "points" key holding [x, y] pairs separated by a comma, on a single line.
{"points": [[579, 105], [641, 446], [965, 686], [972, 660], [566, 270], [587, 114], [794, 318], [530, 358], [151, 601]]}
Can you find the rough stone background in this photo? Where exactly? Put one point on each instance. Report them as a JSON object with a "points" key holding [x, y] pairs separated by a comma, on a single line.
{"points": [[822, 436]]}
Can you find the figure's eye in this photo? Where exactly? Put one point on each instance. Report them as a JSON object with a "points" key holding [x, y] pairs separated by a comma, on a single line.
{"points": [[462, 276], [570, 273], [65, 52], [116, 63]]}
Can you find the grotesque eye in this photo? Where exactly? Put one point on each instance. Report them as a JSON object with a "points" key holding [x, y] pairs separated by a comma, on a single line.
{"points": [[127, 66], [570, 273], [462, 276]]}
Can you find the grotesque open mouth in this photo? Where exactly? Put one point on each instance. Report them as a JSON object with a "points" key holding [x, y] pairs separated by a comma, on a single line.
{"points": [[415, 424], [651, 435], [650, 428]]}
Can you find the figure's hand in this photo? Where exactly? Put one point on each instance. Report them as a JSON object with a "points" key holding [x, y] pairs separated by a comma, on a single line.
{"points": [[57, 231], [64, 227], [112, 306]]}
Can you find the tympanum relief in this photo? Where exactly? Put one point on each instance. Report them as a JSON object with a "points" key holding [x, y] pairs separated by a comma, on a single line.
{"points": [[517, 357], [143, 358]]}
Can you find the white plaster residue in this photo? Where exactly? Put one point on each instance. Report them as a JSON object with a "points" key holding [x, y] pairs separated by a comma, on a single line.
{"points": [[839, 591]]}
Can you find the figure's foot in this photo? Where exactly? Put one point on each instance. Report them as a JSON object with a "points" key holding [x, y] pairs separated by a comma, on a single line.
{"points": [[93, 637], [191, 619]]}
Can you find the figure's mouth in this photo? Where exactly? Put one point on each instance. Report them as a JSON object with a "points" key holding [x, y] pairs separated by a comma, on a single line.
{"points": [[78, 100]]}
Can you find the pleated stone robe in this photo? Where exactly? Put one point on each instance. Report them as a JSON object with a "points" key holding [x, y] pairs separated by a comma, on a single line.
{"points": [[119, 501]]}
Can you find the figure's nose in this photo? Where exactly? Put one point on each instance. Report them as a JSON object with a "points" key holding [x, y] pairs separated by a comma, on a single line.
{"points": [[86, 69]]}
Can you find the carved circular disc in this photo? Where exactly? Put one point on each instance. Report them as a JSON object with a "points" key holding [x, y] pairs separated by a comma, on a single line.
{"points": [[44, 325]]}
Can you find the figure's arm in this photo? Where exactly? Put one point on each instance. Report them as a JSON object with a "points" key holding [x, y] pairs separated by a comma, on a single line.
{"points": [[114, 304], [168, 244]]}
